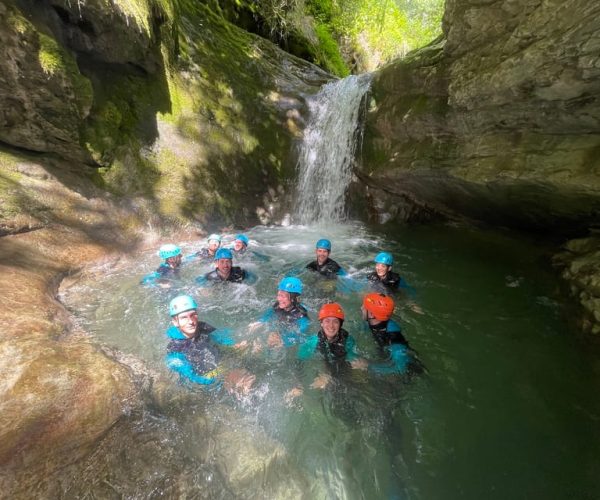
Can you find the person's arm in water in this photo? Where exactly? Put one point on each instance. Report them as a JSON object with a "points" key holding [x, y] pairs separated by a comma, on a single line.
{"points": [[249, 277], [306, 350], [150, 279], [177, 362]]}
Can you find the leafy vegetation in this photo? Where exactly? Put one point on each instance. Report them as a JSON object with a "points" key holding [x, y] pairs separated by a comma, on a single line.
{"points": [[344, 35]]}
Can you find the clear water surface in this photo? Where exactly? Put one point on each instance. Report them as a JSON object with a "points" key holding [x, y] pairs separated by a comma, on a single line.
{"points": [[508, 407]]}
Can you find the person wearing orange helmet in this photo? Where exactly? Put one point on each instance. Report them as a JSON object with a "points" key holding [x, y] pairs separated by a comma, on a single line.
{"points": [[377, 310], [334, 344], [332, 341]]}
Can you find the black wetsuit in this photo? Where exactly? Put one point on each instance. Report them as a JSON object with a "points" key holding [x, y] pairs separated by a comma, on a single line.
{"points": [[389, 283], [335, 350], [195, 359], [166, 271], [388, 336], [330, 268], [203, 253], [387, 333], [237, 275], [297, 312]]}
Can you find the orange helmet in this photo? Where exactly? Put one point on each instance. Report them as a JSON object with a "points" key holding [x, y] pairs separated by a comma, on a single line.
{"points": [[333, 310], [379, 305]]}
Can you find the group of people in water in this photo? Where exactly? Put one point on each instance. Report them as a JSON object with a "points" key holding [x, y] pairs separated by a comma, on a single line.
{"points": [[193, 350]]}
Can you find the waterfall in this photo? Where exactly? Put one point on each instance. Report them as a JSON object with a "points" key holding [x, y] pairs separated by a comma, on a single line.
{"points": [[327, 151]]}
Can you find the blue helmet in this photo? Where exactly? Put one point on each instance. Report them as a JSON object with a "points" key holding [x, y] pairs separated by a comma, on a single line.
{"points": [[243, 238], [181, 304], [384, 258], [223, 253], [214, 237], [291, 285], [169, 250], [326, 244]]}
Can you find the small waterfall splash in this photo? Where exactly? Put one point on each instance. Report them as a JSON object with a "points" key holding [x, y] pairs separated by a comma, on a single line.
{"points": [[327, 151]]}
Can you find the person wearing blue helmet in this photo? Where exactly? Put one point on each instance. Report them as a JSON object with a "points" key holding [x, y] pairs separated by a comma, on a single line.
{"points": [[323, 264], [214, 242], [383, 279], [240, 249], [169, 268], [287, 314], [224, 271], [192, 350], [240, 244]]}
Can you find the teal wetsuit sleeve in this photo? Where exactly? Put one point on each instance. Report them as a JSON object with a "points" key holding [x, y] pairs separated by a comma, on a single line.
{"points": [[303, 324], [307, 348], [189, 258], [250, 278], [266, 316], [177, 362], [174, 333], [201, 281], [393, 326], [150, 279], [400, 358], [351, 353], [222, 336]]}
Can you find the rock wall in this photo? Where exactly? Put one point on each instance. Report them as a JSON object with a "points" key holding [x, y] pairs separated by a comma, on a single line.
{"points": [[497, 121], [117, 119]]}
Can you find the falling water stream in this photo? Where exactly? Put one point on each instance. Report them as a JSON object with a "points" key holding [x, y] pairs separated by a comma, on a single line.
{"points": [[507, 408], [327, 153]]}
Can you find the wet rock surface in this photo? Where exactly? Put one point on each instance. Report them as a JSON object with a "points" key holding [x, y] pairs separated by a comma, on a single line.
{"points": [[579, 263], [498, 121]]}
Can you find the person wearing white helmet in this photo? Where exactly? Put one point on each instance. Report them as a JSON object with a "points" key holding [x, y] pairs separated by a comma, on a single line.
{"points": [[192, 350], [169, 268], [208, 252]]}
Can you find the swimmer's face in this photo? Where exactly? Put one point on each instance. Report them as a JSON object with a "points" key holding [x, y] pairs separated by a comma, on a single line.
{"points": [[224, 267], [331, 327], [238, 245], [322, 255], [174, 262], [186, 322], [367, 316], [213, 245], [284, 300], [382, 269]]}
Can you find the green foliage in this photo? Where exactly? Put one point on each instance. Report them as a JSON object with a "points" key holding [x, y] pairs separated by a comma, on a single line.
{"points": [[328, 53], [377, 31]]}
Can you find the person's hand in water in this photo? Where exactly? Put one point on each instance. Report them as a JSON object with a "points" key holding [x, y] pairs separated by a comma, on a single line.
{"points": [[241, 345], [253, 326], [322, 381], [292, 394], [239, 381], [359, 364], [274, 340]]}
